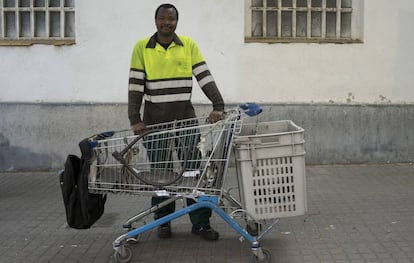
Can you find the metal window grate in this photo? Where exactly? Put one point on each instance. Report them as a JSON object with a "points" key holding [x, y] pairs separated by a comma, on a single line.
{"points": [[26, 22], [300, 21]]}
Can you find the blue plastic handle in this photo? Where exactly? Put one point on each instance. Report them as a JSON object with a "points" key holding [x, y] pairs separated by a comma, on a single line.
{"points": [[251, 109], [244, 106], [93, 144], [108, 134]]}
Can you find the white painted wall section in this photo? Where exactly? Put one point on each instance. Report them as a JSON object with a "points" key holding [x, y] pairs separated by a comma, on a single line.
{"points": [[95, 69]]}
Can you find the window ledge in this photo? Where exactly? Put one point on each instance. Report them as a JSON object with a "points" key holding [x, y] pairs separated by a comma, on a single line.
{"points": [[300, 40], [29, 42]]}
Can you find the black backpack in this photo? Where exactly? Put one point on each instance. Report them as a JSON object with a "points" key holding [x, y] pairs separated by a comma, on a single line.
{"points": [[83, 209]]}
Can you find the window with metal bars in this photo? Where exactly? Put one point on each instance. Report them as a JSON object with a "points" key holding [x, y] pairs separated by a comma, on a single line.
{"points": [[335, 21], [27, 22]]}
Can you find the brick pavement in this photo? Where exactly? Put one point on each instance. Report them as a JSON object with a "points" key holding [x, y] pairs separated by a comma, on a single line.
{"points": [[356, 213]]}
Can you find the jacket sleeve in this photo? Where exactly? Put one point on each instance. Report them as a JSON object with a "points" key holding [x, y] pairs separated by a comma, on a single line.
{"points": [[208, 85], [205, 79], [134, 106], [136, 84]]}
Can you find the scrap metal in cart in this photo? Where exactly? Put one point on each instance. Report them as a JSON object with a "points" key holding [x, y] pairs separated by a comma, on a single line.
{"points": [[189, 159]]}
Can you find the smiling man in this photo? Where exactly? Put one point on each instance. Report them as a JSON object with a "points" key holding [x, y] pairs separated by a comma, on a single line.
{"points": [[161, 71]]}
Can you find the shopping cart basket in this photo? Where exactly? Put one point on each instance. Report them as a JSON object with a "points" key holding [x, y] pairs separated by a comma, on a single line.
{"points": [[180, 159]]}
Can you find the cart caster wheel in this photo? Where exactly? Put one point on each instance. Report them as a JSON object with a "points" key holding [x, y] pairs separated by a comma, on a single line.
{"points": [[133, 240], [125, 258], [267, 257]]}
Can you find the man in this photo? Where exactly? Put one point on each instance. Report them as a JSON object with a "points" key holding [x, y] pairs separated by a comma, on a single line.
{"points": [[161, 73]]}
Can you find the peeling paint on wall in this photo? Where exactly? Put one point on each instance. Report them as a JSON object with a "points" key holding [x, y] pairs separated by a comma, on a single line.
{"points": [[350, 97], [384, 99]]}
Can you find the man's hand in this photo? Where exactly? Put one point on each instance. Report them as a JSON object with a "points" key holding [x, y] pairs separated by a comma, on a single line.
{"points": [[215, 116], [138, 128]]}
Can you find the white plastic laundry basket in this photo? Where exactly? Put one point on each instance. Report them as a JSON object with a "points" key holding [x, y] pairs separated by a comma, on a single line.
{"points": [[270, 162]]}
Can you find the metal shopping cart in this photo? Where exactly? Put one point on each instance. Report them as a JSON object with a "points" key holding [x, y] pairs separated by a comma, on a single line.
{"points": [[182, 159]]}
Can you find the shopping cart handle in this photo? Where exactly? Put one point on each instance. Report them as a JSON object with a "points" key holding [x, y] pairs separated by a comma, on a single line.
{"points": [[94, 142], [251, 109], [107, 134]]}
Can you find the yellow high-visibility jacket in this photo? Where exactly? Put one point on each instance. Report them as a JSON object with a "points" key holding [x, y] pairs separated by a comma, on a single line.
{"points": [[163, 78]]}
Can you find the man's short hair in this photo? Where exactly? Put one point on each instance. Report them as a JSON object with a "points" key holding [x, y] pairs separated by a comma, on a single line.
{"points": [[166, 6]]}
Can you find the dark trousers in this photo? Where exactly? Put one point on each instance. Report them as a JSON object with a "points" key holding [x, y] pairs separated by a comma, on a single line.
{"points": [[185, 143], [199, 218]]}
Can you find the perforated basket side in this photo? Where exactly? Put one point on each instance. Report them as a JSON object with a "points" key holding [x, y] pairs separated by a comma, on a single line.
{"points": [[270, 160], [274, 187]]}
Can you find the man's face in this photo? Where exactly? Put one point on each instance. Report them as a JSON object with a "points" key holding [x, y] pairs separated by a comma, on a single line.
{"points": [[166, 21]]}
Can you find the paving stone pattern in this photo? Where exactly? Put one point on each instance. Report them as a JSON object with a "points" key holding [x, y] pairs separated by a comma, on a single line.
{"points": [[356, 213]]}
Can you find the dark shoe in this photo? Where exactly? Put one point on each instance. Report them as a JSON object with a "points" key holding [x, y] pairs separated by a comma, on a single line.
{"points": [[164, 230], [205, 232]]}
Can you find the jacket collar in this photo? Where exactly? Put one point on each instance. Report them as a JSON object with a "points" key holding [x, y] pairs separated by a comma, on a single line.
{"points": [[153, 41]]}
